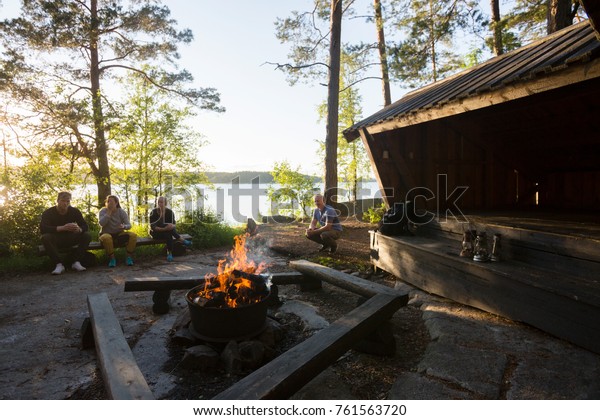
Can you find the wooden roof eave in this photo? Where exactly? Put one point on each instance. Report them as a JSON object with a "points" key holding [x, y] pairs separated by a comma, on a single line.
{"points": [[554, 80]]}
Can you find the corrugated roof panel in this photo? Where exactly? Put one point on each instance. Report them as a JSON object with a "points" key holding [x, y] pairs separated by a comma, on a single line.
{"points": [[573, 44]]}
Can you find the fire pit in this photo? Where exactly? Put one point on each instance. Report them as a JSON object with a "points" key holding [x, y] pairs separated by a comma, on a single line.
{"points": [[230, 305]]}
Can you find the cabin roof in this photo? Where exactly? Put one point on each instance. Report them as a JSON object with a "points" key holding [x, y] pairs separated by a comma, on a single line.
{"points": [[573, 45]]}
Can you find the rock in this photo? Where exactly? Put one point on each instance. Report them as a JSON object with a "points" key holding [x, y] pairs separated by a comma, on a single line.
{"points": [[182, 321], [252, 353], [231, 358], [200, 357], [183, 337]]}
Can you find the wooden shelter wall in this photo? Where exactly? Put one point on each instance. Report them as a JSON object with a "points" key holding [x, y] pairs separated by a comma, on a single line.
{"points": [[541, 151], [571, 191], [439, 160]]}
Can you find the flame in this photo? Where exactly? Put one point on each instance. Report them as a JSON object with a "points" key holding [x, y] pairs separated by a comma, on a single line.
{"points": [[235, 290]]}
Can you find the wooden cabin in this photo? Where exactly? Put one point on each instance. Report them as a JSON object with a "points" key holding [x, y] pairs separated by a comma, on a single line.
{"points": [[510, 147]]}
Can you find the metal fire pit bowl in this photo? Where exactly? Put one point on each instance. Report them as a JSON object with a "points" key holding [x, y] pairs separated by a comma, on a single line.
{"points": [[225, 324]]}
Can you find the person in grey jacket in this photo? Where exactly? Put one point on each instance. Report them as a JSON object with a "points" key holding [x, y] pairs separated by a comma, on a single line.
{"points": [[115, 223]]}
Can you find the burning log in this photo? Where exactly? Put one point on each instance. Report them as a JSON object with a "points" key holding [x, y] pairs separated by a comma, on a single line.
{"points": [[232, 303], [238, 282]]}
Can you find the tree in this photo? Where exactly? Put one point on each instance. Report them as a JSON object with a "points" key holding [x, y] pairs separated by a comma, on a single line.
{"points": [[60, 55], [333, 93], [426, 53], [498, 47], [154, 143], [533, 19], [561, 13], [293, 187], [314, 51], [353, 162], [381, 47]]}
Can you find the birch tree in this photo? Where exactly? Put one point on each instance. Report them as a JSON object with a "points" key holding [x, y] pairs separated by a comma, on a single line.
{"points": [[58, 59]]}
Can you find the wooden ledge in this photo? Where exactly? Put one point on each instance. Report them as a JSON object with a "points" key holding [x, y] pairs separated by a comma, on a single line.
{"points": [[120, 372]]}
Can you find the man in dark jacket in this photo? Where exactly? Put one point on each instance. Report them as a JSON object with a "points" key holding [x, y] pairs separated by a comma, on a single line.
{"points": [[63, 226]]}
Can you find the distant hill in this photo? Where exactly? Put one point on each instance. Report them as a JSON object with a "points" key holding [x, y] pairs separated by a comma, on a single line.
{"points": [[245, 177]]}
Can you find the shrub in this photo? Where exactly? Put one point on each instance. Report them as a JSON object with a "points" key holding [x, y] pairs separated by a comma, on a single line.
{"points": [[207, 230], [374, 214]]}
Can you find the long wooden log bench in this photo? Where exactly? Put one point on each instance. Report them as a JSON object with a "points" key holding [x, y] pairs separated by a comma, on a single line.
{"points": [[308, 276], [141, 241], [121, 375], [547, 280], [288, 373], [162, 286]]}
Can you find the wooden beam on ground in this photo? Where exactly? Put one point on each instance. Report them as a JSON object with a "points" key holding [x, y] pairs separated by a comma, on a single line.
{"points": [[145, 284], [289, 372], [345, 281], [122, 376], [141, 284]]}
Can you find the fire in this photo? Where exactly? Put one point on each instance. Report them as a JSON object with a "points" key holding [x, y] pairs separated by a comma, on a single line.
{"points": [[237, 282]]}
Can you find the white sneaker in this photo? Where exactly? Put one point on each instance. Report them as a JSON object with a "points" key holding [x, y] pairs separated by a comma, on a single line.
{"points": [[77, 266], [59, 269]]}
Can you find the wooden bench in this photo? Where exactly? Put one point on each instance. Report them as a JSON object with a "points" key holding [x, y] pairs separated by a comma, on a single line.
{"points": [[288, 373], [162, 286], [122, 377], [141, 241], [547, 280]]}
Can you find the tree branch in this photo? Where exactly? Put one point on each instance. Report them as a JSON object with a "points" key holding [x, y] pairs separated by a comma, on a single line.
{"points": [[292, 67]]}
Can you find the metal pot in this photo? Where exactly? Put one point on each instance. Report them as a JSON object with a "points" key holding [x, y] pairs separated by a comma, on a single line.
{"points": [[225, 324]]}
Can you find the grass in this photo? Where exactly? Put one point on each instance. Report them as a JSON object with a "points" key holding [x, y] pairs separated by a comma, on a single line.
{"points": [[204, 236]]}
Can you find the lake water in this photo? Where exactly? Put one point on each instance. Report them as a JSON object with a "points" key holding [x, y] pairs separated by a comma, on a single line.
{"points": [[234, 203]]}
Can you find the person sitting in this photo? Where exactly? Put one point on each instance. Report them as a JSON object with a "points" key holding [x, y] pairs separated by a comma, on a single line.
{"points": [[63, 226], [114, 223], [330, 228], [162, 226]]}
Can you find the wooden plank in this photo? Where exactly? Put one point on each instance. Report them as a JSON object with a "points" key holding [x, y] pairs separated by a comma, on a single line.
{"points": [[561, 305], [141, 241], [140, 284], [345, 281], [572, 254], [288, 373], [122, 376]]}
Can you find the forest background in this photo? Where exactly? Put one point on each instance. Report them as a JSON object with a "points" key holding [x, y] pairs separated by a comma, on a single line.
{"points": [[95, 102]]}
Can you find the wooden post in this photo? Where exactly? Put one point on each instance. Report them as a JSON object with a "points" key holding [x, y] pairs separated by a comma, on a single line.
{"points": [[122, 376]]}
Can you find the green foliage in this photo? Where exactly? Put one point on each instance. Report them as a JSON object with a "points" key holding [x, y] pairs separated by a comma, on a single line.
{"points": [[156, 150], [426, 52], [28, 191], [374, 214], [207, 230], [353, 162], [294, 189], [48, 68]]}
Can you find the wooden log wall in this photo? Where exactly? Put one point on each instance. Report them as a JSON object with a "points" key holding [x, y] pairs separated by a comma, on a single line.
{"points": [[425, 155]]}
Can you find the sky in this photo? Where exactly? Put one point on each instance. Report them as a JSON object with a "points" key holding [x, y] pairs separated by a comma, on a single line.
{"points": [[266, 120]]}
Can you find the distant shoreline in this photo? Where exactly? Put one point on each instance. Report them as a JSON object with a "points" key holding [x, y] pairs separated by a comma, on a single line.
{"points": [[246, 177]]}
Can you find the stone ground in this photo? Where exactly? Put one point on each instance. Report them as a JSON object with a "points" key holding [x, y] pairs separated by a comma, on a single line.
{"points": [[444, 350]]}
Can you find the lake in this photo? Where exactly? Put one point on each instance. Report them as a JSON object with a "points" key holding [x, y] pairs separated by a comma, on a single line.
{"points": [[234, 203]]}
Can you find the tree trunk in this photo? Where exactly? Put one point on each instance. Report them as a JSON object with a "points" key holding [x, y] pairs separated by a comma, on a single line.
{"points": [[560, 15], [432, 42], [385, 78], [333, 98], [496, 28], [103, 177]]}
